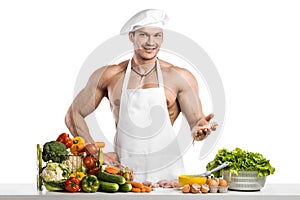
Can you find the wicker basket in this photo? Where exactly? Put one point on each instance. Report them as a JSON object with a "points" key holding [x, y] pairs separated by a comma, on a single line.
{"points": [[244, 181]]}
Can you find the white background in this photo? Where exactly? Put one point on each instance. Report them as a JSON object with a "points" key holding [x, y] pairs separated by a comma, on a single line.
{"points": [[255, 46]]}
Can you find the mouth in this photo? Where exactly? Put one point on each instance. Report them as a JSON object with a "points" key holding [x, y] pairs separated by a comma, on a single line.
{"points": [[149, 48]]}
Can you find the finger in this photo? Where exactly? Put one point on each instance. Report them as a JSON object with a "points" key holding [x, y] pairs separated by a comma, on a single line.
{"points": [[200, 132], [214, 126], [207, 133], [201, 135], [197, 134], [209, 117]]}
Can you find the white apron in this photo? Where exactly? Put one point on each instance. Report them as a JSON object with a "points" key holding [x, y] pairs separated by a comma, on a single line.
{"points": [[145, 140]]}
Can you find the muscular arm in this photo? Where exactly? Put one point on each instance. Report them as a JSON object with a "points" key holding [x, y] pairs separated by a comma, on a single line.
{"points": [[190, 105], [84, 103]]}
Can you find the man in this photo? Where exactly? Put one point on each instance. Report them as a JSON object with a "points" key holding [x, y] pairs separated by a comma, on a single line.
{"points": [[146, 95]]}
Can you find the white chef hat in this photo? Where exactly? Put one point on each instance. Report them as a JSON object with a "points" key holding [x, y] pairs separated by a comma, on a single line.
{"points": [[148, 17]]}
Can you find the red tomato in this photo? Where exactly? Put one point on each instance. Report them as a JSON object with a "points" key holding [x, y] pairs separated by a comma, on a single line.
{"points": [[89, 161], [93, 171]]}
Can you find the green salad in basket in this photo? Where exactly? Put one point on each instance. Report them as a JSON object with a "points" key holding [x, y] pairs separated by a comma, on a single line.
{"points": [[241, 160]]}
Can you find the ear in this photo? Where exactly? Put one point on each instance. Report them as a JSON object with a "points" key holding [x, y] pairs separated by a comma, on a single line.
{"points": [[130, 36]]}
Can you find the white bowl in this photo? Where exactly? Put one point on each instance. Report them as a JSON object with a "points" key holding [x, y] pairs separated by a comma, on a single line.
{"points": [[244, 181]]}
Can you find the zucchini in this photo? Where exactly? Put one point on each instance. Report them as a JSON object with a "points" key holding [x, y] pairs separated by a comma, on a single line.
{"points": [[112, 178], [108, 187], [125, 187]]}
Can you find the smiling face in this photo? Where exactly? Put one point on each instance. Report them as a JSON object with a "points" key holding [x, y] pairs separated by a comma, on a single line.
{"points": [[147, 41]]}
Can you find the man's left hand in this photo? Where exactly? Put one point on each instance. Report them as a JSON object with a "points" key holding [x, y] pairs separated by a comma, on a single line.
{"points": [[203, 128]]}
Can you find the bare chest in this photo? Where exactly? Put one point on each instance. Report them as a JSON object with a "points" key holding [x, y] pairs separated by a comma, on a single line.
{"points": [[136, 82]]}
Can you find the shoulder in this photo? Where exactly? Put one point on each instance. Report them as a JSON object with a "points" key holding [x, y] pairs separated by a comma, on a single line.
{"points": [[176, 71], [112, 70], [104, 74]]}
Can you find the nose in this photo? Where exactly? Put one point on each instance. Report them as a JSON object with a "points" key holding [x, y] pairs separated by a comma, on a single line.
{"points": [[150, 41]]}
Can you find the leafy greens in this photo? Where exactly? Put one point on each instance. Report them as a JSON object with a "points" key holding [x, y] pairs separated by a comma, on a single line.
{"points": [[241, 160]]}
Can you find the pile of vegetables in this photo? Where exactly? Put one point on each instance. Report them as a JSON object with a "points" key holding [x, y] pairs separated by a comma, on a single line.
{"points": [[73, 165], [241, 160]]}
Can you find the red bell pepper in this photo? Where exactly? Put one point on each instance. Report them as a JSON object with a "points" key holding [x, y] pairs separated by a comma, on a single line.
{"points": [[72, 184], [65, 139]]}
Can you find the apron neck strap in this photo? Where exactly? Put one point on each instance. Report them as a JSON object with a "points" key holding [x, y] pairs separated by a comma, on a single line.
{"points": [[128, 70]]}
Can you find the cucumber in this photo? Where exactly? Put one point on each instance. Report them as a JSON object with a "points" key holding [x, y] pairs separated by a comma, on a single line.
{"points": [[108, 187], [112, 178], [125, 187]]}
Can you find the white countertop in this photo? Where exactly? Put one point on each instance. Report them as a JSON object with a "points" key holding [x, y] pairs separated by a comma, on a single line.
{"points": [[270, 191]]}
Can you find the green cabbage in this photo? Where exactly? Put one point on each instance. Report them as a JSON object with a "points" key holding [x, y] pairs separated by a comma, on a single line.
{"points": [[241, 161]]}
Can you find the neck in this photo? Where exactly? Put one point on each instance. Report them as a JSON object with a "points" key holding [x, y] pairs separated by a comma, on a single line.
{"points": [[139, 61]]}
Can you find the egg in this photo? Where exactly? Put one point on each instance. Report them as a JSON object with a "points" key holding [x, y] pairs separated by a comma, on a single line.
{"points": [[204, 188], [213, 183], [208, 180], [186, 188], [195, 188], [218, 180], [222, 182]]}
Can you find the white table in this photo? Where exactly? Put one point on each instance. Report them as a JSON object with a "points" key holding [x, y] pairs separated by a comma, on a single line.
{"points": [[270, 191]]}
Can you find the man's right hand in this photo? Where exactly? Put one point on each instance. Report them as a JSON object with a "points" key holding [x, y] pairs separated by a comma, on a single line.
{"points": [[111, 158]]}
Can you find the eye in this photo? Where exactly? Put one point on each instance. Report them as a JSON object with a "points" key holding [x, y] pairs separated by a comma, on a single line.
{"points": [[142, 34], [158, 35]]}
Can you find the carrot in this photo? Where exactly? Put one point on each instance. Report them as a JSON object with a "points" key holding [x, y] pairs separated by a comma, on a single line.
{"points": [[136, 184], [100, 144], [147, 189], [143, 189], [112, 169], [135, 189]]}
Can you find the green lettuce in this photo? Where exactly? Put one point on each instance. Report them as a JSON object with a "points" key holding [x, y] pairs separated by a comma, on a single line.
{"points": [[241, 160]]}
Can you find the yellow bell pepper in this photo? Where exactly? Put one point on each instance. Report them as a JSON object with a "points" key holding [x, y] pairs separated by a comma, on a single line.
{"points": [[78, 145], [78, 175]]}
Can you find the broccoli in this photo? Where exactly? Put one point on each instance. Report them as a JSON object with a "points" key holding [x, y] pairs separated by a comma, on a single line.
{"points": [[55, 151]]}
